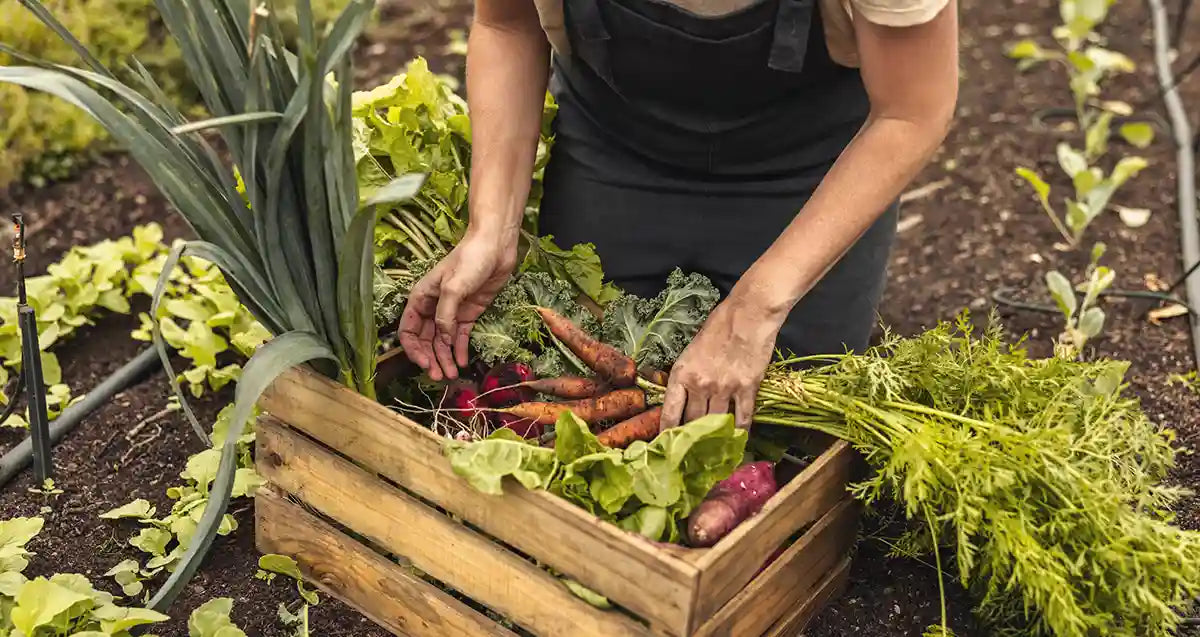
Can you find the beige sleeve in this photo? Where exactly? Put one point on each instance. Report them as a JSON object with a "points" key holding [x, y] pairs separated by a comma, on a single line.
{"points": [[898, 13]]}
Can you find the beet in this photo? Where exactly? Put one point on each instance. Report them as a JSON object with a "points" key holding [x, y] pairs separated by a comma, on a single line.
{"points": [[525, 427], [501, 388], [731, 502], [462, 398]]}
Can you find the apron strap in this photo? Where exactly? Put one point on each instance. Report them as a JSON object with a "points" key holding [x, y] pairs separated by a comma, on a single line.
{"points": [[593, 36], [792, 26]]}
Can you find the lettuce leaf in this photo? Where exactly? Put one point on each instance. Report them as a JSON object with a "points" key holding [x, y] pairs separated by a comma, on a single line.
{"points": [[648, 488]]}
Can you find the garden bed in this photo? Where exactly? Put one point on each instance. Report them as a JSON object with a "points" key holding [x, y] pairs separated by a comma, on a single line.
{"points": [[976, 234]]}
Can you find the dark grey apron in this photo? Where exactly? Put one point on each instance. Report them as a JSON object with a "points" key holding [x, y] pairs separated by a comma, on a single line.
{"points": [[692, 142]]}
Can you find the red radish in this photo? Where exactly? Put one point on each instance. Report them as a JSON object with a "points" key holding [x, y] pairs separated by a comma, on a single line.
{"points": [[524, 427], [503, 385], [731, 502], [462, 396]]}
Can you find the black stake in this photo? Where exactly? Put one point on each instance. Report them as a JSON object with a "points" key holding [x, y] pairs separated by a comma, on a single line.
{"points": [[31, 364]]}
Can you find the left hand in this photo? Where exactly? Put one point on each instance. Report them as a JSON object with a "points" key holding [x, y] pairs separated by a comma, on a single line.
{"points": [[724, 365]]}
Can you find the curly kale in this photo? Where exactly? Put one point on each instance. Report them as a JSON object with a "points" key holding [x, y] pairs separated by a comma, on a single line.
{"points": [[390, 291], [655, 331], [511, 330]]}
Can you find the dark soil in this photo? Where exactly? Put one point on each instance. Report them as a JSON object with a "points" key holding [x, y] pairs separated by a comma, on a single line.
{"points": [[981, 232]]}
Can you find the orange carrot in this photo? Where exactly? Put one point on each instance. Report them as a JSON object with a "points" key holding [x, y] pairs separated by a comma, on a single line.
{"points": [[656, 376], [567, 386], [617, 405], [643, 426], [606, 360]]}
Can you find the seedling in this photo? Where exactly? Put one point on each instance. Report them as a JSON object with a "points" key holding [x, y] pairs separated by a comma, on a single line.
{"points": [[1083, 320]]}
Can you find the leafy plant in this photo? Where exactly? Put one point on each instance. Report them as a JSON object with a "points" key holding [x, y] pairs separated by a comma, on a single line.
{"points": [[301, 261], [1046, 481], [67, 604], [647, 488], [1082, 319], [167, 539], [1093, 191], [74, 291]]}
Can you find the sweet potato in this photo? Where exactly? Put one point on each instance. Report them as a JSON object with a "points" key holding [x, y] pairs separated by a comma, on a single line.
{"points": [[731, 502], [573, 387], [643, 426], [604, 359], [617, 405]]}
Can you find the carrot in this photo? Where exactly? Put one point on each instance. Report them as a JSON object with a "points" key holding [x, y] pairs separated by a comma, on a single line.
{"points": [[643, 426], [656, 376], [567, 386], [617, 405], [606, 360]]}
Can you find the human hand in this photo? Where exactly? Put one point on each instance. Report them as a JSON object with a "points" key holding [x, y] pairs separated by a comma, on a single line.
{"points": [[724, 364], [443, 306]]}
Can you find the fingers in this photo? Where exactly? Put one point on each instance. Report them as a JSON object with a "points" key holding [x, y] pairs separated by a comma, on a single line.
{"points": [[743, 412], [697, 404], [462, 342], [673, 404], [416, 327]]}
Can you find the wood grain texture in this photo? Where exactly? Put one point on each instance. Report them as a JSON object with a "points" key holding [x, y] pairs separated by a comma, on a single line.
{"points": [[797, 620], [378, 588], [790, 580], [446, 550], [732, 563], [620, 565]]}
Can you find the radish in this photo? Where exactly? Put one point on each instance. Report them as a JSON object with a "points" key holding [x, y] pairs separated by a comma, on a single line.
{"points": [[502, 385], [731, 502], [462, 396]]}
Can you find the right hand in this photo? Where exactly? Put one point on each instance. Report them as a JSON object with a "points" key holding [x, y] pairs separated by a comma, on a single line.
{"points": [[443, 306]]}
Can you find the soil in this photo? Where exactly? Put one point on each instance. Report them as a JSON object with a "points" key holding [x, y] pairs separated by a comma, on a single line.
{"points": [[979, 232]]}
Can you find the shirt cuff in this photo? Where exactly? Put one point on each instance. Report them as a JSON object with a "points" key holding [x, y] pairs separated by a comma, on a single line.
{"points": [[899, 13]]}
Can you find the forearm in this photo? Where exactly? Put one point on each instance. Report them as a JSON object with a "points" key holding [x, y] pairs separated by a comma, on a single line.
{"points": [[845, 205], [507, 72]]}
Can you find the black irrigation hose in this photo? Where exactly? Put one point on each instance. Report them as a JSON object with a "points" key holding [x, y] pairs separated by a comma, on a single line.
{"points": [[19, 457], [1001, 297]]}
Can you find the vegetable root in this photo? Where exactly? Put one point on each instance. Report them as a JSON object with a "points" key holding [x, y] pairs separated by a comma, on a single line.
{"points": [[617, 405], [643, 426], [731, 502], [602, 358], [572, 387]]}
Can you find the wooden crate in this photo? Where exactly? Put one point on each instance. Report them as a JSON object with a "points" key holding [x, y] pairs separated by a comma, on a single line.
{"points": [[367, 504]]}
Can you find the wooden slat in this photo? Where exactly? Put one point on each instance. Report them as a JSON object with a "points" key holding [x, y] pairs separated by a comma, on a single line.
{"points": [[796, 621], [629, 570], [448, 551], [730, 565], [377, 588], [790, 580]]}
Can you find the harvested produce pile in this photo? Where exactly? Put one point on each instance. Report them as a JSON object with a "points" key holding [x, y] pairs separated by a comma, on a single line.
{"points": [[1041, 477]]}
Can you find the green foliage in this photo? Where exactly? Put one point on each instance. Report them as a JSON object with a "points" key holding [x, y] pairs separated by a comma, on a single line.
{"points": [[1083, 320], [416, 123], [211, 619], [62, 604], [166, 539], [41, 135], [85, 282], [201, 319], [1047, 481], [655, 331], [647, 488]]}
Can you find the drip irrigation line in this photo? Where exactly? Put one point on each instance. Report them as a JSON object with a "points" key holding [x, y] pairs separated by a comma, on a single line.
{"points": [[19, 457], [1002, 297], [1185, 162]]}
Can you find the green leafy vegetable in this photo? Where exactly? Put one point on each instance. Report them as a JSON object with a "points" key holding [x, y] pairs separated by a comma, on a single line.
{"points": [[647, 488], [655, 331]]}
